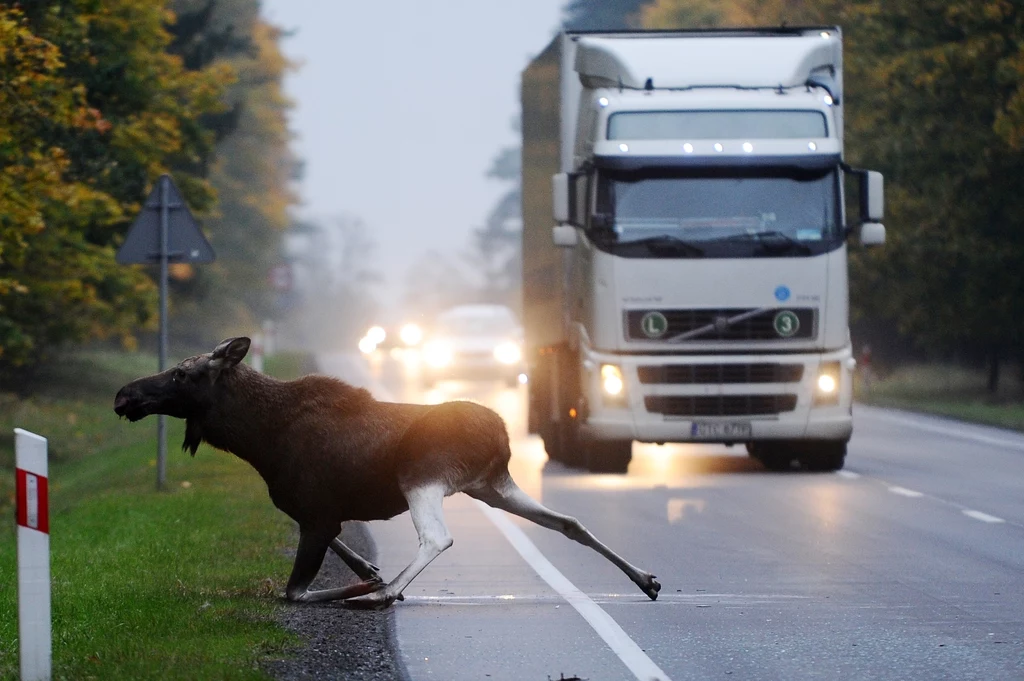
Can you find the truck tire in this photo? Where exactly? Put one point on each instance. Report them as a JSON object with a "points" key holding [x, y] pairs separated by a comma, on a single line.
{"points": [[552, 442], [608, 456], [775, 456], [823, 456]]}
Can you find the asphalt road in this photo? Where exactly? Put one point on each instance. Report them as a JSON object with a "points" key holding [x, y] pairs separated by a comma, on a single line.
{"points": [[908, 564]]}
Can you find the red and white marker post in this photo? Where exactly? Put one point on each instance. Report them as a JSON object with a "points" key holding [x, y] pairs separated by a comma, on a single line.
{"points": [[33, 555]]}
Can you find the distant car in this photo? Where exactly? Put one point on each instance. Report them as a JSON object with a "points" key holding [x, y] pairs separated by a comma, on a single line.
{"points": [[474, 342], [407, 335]]}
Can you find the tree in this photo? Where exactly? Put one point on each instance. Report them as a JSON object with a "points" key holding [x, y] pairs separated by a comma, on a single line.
{"points": [[97, 110], [604, 15], [251, 171]]}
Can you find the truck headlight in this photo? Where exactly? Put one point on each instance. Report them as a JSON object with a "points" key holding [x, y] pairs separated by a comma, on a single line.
{"points": [[611, 380], [508, 353], [826, 386]]}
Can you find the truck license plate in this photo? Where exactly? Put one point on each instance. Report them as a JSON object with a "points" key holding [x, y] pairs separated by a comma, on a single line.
{"points": [[727, 431]]}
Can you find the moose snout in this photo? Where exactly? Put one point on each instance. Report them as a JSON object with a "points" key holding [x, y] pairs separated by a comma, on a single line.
{"points": [[121, 403], [126, 403]]}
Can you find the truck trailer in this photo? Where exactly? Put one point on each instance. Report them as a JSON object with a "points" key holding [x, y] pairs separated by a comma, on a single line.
{"points": [[685, 236]]}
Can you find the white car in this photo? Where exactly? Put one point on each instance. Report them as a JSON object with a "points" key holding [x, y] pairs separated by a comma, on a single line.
{"points": [[474, 342]]}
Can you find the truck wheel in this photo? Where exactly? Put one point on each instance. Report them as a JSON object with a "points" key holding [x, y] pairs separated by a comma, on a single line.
{"points": [[608, 456], [775, 456], [823, 456], [552, 441], [570, 444]]}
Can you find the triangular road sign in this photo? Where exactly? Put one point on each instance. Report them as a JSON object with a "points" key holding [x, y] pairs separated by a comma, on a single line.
{"points": [[185, 241]]}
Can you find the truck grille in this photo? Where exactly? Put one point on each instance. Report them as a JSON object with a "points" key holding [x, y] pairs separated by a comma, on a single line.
{"points": [[721, 373], [757, 324], [719, 405]]}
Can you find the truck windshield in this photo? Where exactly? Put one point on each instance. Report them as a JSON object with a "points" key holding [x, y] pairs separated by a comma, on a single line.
{"points": [[723, 212]]}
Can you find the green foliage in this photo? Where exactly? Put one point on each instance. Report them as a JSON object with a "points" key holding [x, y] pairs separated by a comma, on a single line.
{"points": [[94, 111], [100, 98]]}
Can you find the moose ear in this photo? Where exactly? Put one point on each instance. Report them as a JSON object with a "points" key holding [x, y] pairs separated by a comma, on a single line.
{"points": [[229, 353]]}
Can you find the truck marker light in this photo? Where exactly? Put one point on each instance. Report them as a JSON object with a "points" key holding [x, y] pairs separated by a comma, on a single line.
{"points": [[623, 147], [828, 100], [748, 147], [688, 148], [603, 101], [718, 146], [826, 383], [826, 35], [812, 146]]}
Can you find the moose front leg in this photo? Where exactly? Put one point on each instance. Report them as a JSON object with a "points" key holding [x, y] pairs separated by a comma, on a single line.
{"points": [[363, 568], [427, 517], [309, 557]]}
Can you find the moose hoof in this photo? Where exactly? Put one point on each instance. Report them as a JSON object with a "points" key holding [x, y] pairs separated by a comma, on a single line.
{"points": [[651, 587], [378, 600]]}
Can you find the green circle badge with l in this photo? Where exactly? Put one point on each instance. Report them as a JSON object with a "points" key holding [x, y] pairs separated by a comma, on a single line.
{"points": [[786, 323], [654, 324]]}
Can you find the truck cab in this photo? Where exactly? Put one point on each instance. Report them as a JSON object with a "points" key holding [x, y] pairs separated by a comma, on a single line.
{"points": [[694, 243]]}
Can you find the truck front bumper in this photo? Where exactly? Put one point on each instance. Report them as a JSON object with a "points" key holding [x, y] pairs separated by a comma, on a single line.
{"points": [[720, 398]]}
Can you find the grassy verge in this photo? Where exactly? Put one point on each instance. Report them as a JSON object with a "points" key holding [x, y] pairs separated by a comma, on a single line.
{"points": [[174, 585], [949, 391]]}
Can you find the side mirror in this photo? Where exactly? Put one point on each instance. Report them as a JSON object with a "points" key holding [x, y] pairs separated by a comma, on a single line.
{"points": [[561, 201], [872, 196], [564, 235], [872, 234]]}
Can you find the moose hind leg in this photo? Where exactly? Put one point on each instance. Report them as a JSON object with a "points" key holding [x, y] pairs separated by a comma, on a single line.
{"points": [[506, 495], [308, 559], [363, 568], [427, 517]]}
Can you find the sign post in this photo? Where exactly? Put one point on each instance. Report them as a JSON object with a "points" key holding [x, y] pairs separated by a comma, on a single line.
{"points": [[33, 556], [164, 232]]}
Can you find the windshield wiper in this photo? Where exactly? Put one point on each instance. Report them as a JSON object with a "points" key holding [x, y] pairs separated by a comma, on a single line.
{"points": [[667, 245], [771, 240]]}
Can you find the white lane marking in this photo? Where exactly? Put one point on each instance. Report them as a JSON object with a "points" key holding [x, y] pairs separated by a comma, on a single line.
{"points": [[983, 517], [642, 667], [849, 475], [951, 432], [903, 491], [689, 600]]}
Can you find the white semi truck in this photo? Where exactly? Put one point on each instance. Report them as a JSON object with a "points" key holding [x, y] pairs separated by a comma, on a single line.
{"points": [[685, 235]]}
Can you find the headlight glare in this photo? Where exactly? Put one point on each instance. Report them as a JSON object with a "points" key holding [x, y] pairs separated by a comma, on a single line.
{"points": [[826, 385], [411, 335], [437, 355], [611, 380], [508, 353]]}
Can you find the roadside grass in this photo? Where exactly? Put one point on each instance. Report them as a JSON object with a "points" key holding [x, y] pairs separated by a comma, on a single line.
{"points": [[180, 584], [945, 390]]}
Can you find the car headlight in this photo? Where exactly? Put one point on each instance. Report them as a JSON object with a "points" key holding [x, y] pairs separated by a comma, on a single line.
{"points": [[411, 335], [377, 334], [367, 345], [508, 353], [437, 355], [826, 385], [611, 380]]}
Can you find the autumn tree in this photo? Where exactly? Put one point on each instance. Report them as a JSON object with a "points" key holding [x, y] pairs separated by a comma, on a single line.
{"points": [[93, 109]]}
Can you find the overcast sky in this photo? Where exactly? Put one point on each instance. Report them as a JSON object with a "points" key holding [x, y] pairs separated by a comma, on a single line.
{"points": [[400, 108]]}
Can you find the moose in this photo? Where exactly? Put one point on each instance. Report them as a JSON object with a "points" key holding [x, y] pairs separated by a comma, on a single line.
{"points": [[329, 453]]}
